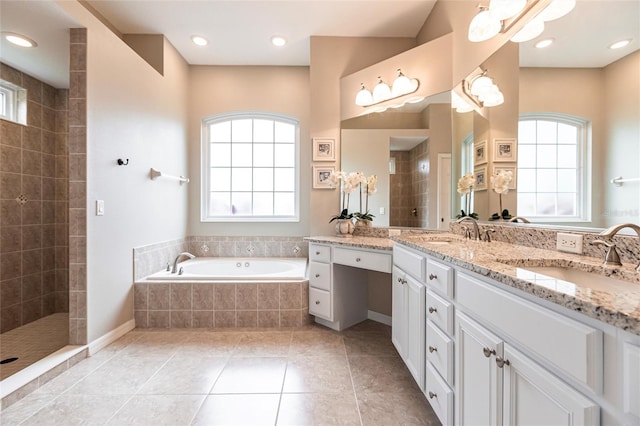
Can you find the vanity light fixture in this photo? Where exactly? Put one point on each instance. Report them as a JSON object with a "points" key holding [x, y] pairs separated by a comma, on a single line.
{"points": [[545, 43], [459, 104], [401, 86], [482, 90], [199, 40], [278, 41], [19, 39], [620, 44]]}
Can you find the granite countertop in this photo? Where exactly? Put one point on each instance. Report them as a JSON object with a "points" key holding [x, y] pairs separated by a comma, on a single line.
{"points": [[504, 262], [356, 241]]}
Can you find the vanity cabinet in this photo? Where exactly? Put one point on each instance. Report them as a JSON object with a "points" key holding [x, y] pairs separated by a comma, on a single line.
{"points": [[320, 303]]}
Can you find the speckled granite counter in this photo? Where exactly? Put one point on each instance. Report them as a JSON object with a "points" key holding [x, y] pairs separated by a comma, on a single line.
{"points": [[355, 241], [505, 262]]}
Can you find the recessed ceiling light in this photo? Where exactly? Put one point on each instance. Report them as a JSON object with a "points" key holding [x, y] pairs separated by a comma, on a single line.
{"points": [[278, 41], [620, 44], [544, 43], [199, 40], [19, 39]]}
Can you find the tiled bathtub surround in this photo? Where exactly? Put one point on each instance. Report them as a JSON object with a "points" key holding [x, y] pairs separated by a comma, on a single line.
{"points": [[221, 305]]}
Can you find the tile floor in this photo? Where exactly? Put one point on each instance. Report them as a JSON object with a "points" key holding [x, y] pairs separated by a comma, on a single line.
{"points": [[304, 376], [32, 342]]}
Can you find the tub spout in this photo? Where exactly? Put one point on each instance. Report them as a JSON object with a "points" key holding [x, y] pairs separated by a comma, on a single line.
{"points": [[178, 257]]}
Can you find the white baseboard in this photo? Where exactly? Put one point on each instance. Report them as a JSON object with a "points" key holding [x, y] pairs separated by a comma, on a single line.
{"points": [[111, 337], [378, 317]]}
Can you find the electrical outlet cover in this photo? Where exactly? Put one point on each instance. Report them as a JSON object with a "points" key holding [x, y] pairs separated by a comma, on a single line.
{"points": [[570, 243]]}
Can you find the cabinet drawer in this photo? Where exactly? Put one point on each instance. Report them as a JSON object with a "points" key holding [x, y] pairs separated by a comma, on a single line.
{"points": [[363, 259], [440, 277], [320, 275], [440, 352], [440, 312], [320, 303], [319, 253], [572, 347], [439, 395], [409, 261], [631, 372]]}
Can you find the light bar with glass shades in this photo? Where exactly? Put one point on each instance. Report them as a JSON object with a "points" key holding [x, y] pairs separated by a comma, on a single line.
{"points": [[401, 86], [501, 15], [482, 90]]}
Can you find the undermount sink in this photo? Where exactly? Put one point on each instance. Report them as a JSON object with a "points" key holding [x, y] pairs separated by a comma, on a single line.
{"points": [[563, 277]]}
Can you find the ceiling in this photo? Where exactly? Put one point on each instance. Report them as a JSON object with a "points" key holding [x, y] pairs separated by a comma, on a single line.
{"points": [[239, 31]]}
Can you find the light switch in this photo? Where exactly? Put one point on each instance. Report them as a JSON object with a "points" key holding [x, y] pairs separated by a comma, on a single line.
{"points": [[381, 210], [99, 207]]}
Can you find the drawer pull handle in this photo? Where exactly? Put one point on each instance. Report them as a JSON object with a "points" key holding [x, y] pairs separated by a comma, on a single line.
{"points": [[317, 275], [317, 302], [400, 280], [404, 282], [488, 352], [317, 253], [432, 349], [357, 259], [502, 362], [432, 309], [432, 395], [433, 277]]}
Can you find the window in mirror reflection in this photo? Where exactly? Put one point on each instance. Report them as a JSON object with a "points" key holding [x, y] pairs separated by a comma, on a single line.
{"points": [[13, 102], [552, 167], [466, 156]]}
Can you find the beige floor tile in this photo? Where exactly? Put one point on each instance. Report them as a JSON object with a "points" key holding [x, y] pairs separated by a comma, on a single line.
{"points": [[313, 343], [26, 407], [381, 374], [369, 344], [184, 376], [318, 409], [392, 408], [270, 343], [155, 343], [251, 375], [326, 374], [158, 410], [73, 375], [368, 326], [78, 410], [236, 410], [210, 344]]}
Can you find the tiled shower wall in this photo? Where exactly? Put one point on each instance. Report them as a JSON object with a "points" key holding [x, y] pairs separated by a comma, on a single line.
{"points": [[419, 159], [34, 205], [409, 187]]}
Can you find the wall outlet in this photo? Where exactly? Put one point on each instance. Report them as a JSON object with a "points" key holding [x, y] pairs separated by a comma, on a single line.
{"points": [[571, 243], [394, 232]]}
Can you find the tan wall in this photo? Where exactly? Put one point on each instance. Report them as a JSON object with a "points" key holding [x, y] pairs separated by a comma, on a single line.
{"points": [[439, 143], [221, 89]]}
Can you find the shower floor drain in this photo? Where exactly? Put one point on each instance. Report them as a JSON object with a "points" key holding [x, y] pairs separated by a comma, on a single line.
{"points": [[8, 360]]}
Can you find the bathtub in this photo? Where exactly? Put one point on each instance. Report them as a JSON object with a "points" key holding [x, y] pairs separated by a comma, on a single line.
{"points": [[236, 269]]}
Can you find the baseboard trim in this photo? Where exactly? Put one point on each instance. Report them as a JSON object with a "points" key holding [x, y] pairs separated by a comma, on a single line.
{"points": [[111, 337], [378, 317]]}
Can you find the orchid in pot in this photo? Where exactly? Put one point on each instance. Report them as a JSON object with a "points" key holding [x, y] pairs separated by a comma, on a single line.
{"points": [[348, 183], [366, 218], [465, 187], [500, 182]]}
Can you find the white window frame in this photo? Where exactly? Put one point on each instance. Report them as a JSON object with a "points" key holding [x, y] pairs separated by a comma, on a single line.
{"points": [[205, 145], [583, 200]]}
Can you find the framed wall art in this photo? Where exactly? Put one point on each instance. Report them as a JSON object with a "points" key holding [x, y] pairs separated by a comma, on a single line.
{"points": [[321, 176], [480, 175], [505, 150], [480, 152], [324, 149]]}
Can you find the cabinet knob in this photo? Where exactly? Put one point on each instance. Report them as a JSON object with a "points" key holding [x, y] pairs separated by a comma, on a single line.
{"points": [[317, 275], [433, 277], [432, 395], [400, 280], [432, 349], [317, 253], [404, 282], [317, 302], [502, 362], [432, 309], [357, 259], [488, 352]]}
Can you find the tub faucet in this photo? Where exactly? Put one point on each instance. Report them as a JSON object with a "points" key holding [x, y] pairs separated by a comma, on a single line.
{"points": [[178, 257], [612, 255], [476, 230]]}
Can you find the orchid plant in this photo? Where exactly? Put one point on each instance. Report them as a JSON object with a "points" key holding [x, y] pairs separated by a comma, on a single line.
{"points": [[465, 187], [500, 182], [369, 188], [349, 182]]}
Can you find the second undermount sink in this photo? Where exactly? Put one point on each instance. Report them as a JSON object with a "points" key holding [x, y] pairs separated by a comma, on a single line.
{"points": [[563, 277]]}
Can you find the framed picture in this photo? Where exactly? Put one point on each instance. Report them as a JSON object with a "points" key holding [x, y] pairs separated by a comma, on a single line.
{"points": [[480, 152], [480, 174], [321, 176], [512, 169], [324, 149], [504, 150]]}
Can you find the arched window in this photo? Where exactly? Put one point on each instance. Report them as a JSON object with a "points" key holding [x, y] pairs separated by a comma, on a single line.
{"points": [[553, 168], [250, 168]]}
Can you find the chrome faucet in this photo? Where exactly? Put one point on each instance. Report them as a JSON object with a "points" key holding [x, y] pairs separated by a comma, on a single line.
{"points": [[476, 230], [178, 257], [612, 257], [519, 218]]}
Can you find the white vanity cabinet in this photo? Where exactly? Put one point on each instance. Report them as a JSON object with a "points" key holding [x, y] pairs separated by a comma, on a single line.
{"points": [[320, 281]]}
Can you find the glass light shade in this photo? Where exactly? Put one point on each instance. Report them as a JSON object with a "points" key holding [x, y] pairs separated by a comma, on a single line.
{"points": [[557, 9], [483, 26], [505, 9], [364, 97], [401, 85], [464, 107], [381, 92], [533, 29], [19, 39], [480, 85], [493, 99]]}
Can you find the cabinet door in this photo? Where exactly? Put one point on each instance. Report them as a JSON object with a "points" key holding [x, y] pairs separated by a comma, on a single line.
{"points": [[478, 379], [533, 396], [398, 311], [415, 356]]}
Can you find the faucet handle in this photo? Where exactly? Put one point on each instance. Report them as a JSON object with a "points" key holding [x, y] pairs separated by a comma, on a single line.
{"points": [[487, 234], [466, 232], [611, 258]]}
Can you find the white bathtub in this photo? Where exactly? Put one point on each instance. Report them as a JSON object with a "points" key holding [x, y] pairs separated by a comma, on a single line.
{"points": [[236, 269]]}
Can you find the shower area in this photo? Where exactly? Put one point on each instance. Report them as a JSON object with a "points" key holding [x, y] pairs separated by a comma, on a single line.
{"points": [[34, 225]]}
